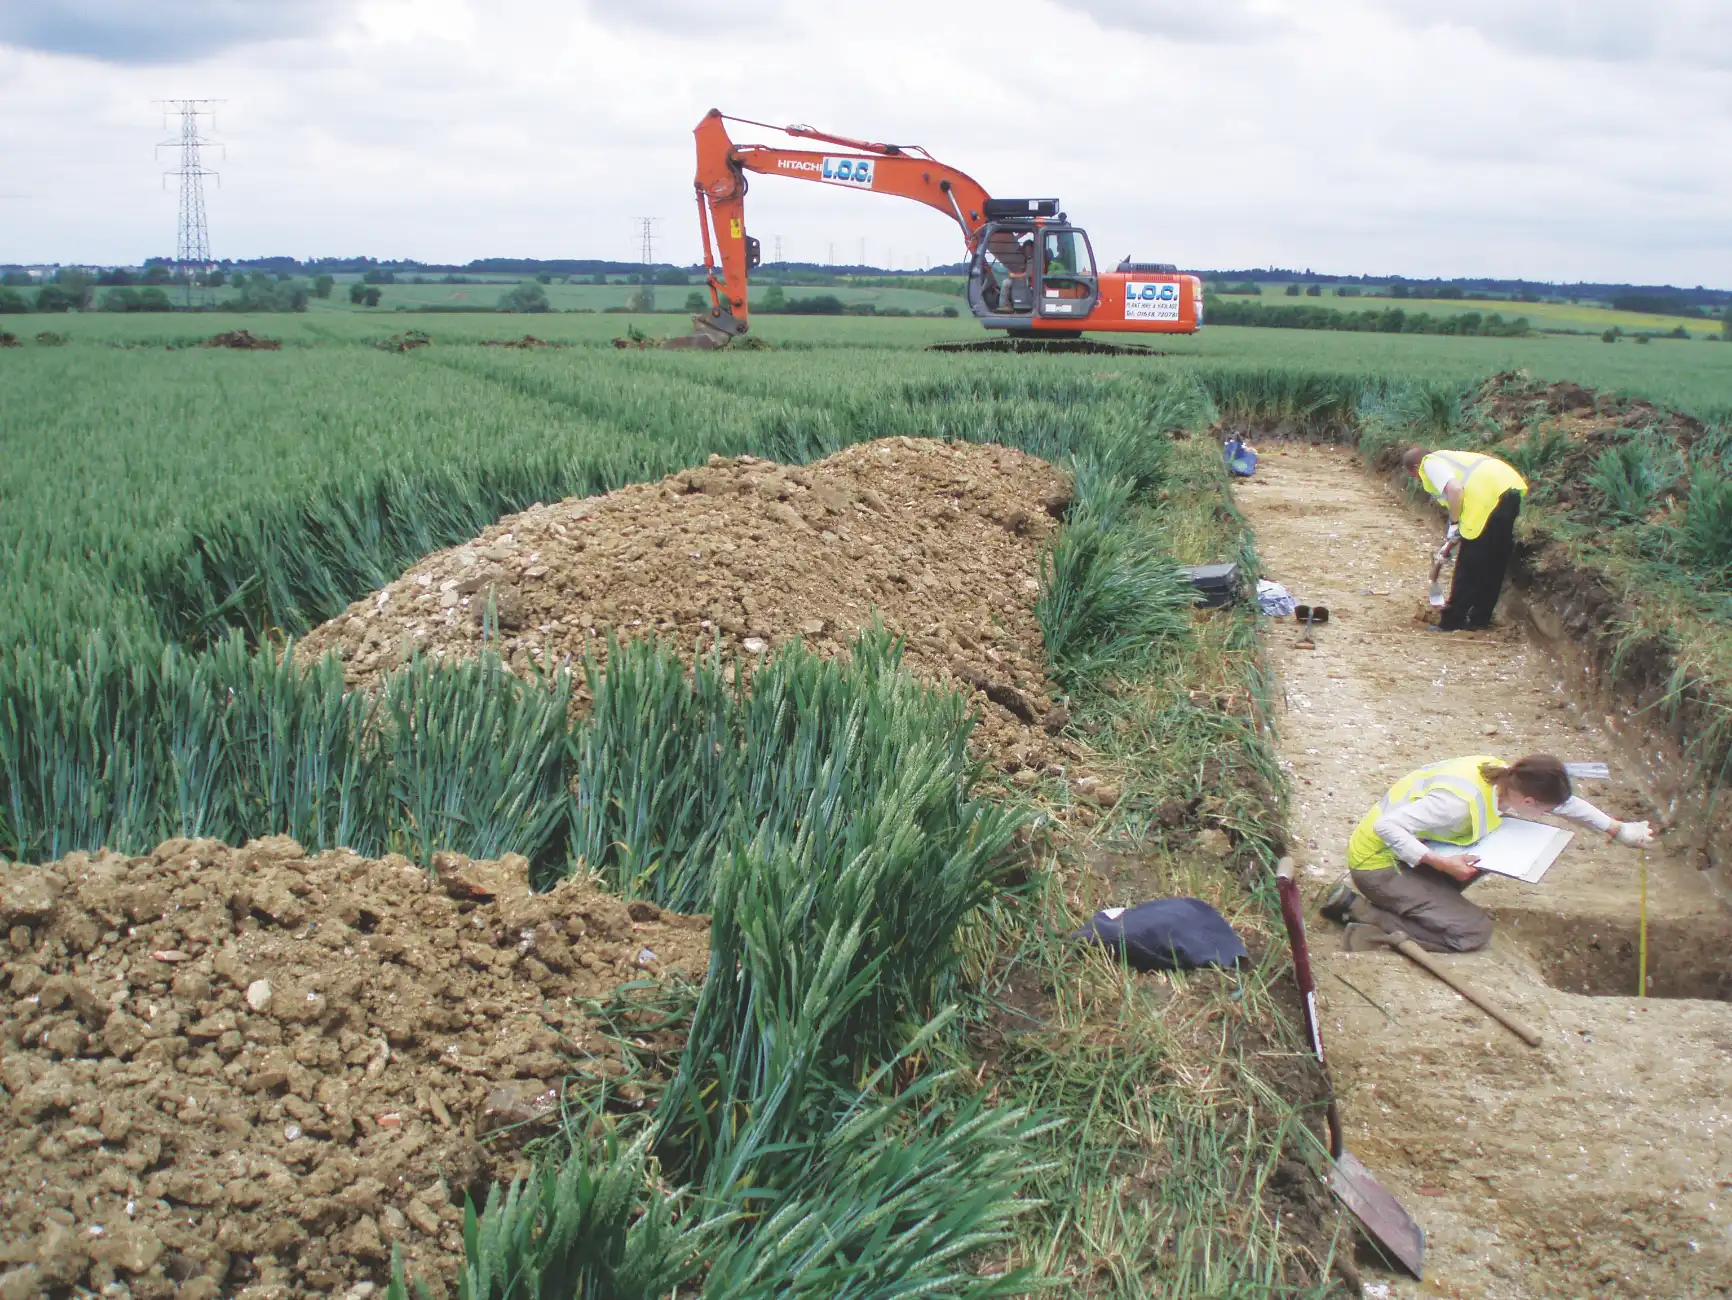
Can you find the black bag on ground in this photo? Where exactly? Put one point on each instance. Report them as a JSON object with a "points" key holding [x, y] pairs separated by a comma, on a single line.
{"points": [[1167, 934], [1215, 584]]}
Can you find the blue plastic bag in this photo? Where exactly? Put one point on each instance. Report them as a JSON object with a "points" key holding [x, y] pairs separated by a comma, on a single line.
{"points": [[1241, 459]]}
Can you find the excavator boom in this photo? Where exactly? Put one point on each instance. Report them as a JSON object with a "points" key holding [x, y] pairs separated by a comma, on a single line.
{"points": [[1031, 273], [907, 172]]}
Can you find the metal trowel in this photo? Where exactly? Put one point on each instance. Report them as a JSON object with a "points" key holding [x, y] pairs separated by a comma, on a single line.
{"points": [[1437, 562]]}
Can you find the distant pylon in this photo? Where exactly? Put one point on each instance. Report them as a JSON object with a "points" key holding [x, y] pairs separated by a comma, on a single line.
{"points": [[647, 239], [192, 257]]}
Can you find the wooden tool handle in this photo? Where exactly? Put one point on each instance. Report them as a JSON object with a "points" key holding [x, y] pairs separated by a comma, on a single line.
{"points": [[1520, 1028]]}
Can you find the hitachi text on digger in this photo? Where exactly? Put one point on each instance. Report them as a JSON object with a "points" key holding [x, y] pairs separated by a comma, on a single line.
{"points": [[1031, 273]]}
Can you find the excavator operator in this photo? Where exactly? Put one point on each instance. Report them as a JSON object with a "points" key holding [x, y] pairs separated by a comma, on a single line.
{"points": [[1005, 251]]}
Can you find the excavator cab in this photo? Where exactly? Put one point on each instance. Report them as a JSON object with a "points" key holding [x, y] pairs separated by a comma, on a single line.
{"points": [[1032, 271]]}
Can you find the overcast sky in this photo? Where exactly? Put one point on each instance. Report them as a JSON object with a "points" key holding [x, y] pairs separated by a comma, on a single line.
{"points": [[1552, 139]]}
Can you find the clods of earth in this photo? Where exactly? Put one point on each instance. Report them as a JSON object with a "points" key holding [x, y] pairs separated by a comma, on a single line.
{"points": [[942, 541], [255, 1072]]}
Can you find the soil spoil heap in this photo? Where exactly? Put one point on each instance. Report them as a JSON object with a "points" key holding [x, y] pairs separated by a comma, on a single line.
{"points": [[251, 1071], [940, 540]]}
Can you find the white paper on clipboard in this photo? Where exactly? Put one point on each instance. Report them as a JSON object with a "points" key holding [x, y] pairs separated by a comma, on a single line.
{"points": [[1519, 849]]}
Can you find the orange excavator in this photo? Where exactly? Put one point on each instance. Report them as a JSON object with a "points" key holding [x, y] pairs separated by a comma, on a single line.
{"points": [[1030, 272]]}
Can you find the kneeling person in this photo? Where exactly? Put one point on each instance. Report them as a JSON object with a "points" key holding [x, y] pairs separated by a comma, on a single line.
{"points": [[1404, 886]]}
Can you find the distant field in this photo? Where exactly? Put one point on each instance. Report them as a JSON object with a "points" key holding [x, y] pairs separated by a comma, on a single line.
{"points": [[1580, 318], [599, 297], [1693, 376]]}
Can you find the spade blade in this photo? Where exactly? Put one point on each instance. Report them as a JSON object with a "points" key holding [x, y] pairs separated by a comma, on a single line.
{"points": [[1389, 1226]]}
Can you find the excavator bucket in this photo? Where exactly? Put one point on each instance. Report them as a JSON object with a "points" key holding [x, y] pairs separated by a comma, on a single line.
{"points": [[704, 335]]}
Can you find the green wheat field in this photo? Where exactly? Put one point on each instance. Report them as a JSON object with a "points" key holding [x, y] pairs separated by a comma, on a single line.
{"points": [[174, 514]]}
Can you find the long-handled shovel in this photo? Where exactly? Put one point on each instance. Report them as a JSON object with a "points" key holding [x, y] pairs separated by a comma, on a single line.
{"points": [[1384, 1219], [1508, 1019]]}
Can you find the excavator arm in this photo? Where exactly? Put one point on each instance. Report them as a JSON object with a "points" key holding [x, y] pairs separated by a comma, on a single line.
{"points": [[906, 171]]}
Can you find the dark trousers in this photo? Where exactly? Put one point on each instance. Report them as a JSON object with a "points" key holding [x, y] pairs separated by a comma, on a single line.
{"points": [[1479, 568], [1425, 903]]}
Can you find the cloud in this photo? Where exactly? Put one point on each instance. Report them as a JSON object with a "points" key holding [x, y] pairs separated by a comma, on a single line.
{"points": [[158, 31], [688, 17], [1220, 22], [1693, 32], [1348, 135]]}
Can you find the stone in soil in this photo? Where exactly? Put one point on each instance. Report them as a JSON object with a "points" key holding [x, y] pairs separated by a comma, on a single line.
{"points": [[232, 1068]]}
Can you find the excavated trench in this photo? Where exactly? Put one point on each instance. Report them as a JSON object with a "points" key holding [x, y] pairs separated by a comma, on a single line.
{"points": [[1600, 1162], [1600, 957]]}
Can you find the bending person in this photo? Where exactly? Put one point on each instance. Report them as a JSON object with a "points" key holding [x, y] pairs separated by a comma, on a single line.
{"points": [[1483, 496], [1406, 886]]}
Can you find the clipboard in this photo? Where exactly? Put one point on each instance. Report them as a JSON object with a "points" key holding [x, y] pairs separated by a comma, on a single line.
{"points": [[1519, 849]]}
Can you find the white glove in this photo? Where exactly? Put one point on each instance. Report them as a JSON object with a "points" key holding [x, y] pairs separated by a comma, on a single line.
{"points": [[1634, 834], [1452, 534]]}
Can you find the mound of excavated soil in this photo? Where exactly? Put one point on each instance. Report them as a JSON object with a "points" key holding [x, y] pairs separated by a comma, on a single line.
{"points": [[252, 1071], [242, 340], [941, 540]]}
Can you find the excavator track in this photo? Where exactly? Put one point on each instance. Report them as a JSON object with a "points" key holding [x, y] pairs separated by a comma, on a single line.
{"points": [[1084, 347]]}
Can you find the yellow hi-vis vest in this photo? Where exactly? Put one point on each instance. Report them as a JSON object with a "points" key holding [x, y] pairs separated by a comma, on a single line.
{"points": [[1366, 851], [1483, 480]]}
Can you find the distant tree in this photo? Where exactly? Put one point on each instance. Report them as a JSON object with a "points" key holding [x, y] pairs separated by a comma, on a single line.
{"points": [[77, 286], [1726, 324], [1398, 290], [322, 286], [644, 300], [12, 303], [695, 301], [1293, 291], [1610, 336], [600, 277], [1449, 291], [1313, 291], [364, 295], [1347, 291], [54, 297], [379, 275], [1659, 304], [262, 293], [214, 279], [126, 298], [546, 277], [157, 273], [775, 299], [526, 297], [115, 275], [17, 280], [671, 275], [823, 304], [948, 311]]}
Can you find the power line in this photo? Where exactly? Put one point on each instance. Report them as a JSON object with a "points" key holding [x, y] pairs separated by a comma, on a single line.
{"points": [[192, 257]]}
